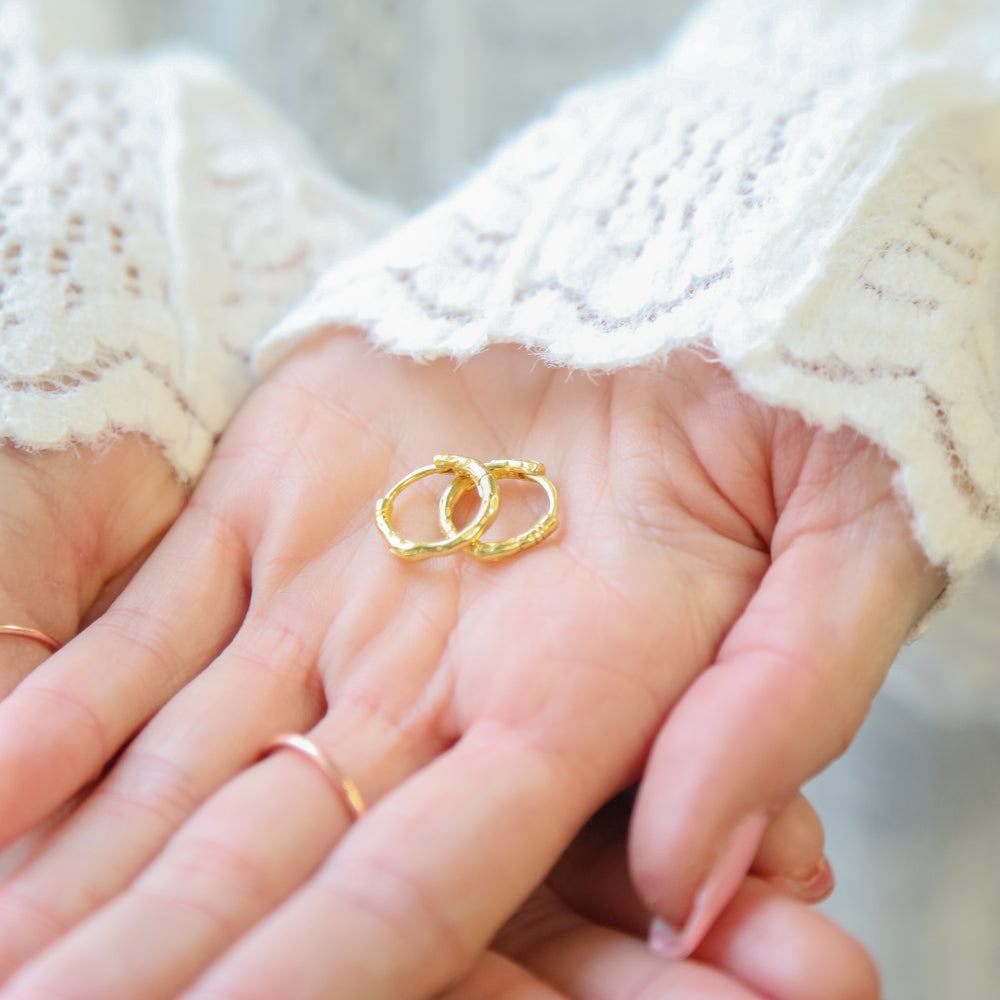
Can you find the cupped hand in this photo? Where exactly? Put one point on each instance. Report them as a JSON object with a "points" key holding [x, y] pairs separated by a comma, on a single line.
{"points": [[723, 597], [581, 936], [73, 526]]}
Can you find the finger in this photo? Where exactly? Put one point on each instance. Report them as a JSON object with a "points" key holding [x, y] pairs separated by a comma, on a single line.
{"points": [[70, 521], [39, 574], [417, 888], [589, 962], [240, 855], [18, 854], [766, 941], [196, 743], [785, 949], [266, 680], [23, 647], [791, 684], [790, 856], [593, 878], [764, 945], [592, 875], [113, 586], [498, 978], [62, 724], [194, 901]]}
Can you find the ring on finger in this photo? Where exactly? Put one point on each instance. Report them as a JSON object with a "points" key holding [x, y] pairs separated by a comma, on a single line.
{"points": [[345, 788], [36, 635]]}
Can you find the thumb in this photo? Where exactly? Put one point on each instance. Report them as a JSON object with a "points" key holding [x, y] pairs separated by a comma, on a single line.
{"points": [[790, 686]]}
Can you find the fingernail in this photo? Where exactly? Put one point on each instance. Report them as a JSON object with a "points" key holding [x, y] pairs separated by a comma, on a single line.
{"points": [[714, 894], [664, 939], [812, 888]]}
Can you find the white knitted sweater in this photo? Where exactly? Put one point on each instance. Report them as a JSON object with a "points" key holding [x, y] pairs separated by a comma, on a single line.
{"points": [[813, 190], [155, 220]]}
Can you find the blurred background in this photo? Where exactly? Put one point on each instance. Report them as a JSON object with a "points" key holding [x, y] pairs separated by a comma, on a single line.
{"points": [[403, 98]]}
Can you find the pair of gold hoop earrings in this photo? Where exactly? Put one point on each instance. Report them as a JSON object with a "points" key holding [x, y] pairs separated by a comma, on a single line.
{"points": [[482, 477]]}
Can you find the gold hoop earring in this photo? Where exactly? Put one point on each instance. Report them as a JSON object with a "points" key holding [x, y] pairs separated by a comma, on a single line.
{"points": [[469, 472], [504, 469]]}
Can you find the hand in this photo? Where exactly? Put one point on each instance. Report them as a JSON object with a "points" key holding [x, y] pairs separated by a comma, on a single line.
{"points": [[700, 529], [74, 525], [764, 945], [581, 936]]}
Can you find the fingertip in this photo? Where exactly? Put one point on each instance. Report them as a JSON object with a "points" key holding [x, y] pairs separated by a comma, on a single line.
{"points": [[791, 856], [812, 888], [714, 893], [794, 840], [789, 951]]}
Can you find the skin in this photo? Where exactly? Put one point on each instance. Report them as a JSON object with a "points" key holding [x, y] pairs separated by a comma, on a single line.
{"points": [[720, 604], [580, 936], [74, 525]]}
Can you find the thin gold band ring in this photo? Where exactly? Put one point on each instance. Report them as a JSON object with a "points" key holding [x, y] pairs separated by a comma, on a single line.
{"points": [[36, 635], [346, 790]]}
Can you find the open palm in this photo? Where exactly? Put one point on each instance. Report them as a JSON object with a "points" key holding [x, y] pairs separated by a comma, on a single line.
{"points": [[484, 709]]}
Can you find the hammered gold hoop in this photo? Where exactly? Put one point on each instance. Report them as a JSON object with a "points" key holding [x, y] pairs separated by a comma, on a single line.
{"points": [[504, 468], [469, 472]]}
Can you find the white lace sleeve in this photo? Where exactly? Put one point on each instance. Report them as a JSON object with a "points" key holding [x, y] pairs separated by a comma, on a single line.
{"points": [[812, 189], [154, 221]]}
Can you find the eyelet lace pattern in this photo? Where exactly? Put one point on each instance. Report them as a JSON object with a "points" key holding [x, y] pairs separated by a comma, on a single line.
{"points": [[155, 220]]}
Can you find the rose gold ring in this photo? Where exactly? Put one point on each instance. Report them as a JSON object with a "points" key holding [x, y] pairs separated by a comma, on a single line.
{"points": [[342, 785], [32, 633]]}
